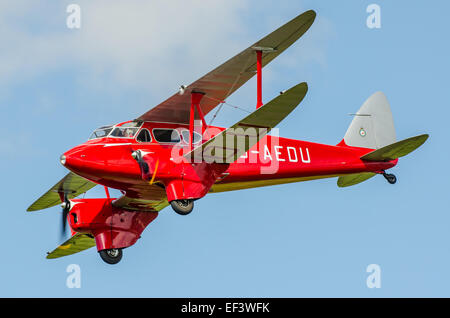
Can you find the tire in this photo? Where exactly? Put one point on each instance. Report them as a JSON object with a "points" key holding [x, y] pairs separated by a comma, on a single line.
{"points": [[111, 256], [182, 207], [391, 178]]}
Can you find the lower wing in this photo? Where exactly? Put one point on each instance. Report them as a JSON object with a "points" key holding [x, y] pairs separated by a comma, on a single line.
{"points": [[230, 144], [71, 185], [77, 243]]}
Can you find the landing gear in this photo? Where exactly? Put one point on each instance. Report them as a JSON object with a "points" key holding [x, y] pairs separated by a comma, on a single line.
{"points": [[392, 179], [111, 256], [182, 207]]}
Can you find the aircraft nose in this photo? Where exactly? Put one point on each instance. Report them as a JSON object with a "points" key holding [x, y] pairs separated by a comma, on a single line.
{"points": [[73, 159]]}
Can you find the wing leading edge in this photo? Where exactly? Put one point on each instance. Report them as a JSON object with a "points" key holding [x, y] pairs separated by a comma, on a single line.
{"points": [[72, 185], [224, 148]]}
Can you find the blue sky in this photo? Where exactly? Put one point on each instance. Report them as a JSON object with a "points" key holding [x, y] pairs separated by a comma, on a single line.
{"points": [[298, 240]]}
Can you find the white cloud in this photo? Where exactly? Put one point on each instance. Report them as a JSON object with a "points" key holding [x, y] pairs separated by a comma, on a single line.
{"points": [[136, 43], [150, 46]]}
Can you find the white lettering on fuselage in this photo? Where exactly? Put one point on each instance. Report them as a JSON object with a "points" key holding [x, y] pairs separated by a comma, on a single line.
{"points": [[267, 153], [281, 153]]}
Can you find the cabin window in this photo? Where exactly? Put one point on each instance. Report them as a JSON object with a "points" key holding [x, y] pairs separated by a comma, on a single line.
{"points": [[197, 137], [144, 136], [166, 135]]}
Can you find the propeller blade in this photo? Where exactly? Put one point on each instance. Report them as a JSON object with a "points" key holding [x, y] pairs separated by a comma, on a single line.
{"points": [[65, 211], [64, 222], [137, 155]]}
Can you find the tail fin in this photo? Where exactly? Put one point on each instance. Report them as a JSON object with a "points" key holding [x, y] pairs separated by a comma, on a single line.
{"points": [[373, 125]]}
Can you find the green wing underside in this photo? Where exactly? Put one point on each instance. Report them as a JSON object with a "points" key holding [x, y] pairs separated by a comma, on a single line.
{"points": [[389, 152], [77, 243], [353, 179], [72, 184], [224, 148], [396, 150], [228, 77]]}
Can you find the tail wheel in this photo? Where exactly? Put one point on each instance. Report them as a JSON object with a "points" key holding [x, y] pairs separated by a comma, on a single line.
{"points": [[111, 256], [182, 207], [391, 178]]}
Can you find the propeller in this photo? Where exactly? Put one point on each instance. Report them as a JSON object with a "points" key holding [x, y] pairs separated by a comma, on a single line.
{"points": [[137, 155], [65, 205]]}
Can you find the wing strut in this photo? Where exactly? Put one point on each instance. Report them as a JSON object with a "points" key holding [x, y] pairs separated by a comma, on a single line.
{"points": [[196, 97], [259, 53], [232, 143], [259, 101]]}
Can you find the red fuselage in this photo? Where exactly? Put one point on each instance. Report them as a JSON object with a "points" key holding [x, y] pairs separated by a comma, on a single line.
{"points": [[274, 160]]}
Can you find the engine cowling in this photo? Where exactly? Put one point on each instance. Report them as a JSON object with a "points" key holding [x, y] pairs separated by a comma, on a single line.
{"points": [[110, 226]]}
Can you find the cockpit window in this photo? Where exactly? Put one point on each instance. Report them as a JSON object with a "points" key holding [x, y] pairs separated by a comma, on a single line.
{"points": [[101, 132], [166, 135], [127, 130]]}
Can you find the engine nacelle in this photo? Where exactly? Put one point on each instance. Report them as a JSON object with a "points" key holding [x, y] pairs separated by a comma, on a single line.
{"points": [[111, 227]]}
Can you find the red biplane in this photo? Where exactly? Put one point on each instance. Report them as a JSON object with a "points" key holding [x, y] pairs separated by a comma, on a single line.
{"points": [[171, 156]]}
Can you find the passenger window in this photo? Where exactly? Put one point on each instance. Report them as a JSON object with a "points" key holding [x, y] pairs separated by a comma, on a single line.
{"points": [[166, 135], [197, 137], [144, 136]]}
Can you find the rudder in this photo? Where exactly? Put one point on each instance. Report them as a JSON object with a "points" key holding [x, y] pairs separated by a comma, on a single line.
{"points": [[373, 125]]}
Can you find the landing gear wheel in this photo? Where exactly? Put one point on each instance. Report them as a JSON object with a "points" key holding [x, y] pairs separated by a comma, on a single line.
{"points": [[182, 207], [111, 256], [392, 179]]}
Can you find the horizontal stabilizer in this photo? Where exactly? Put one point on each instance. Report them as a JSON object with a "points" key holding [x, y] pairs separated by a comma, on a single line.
{"points": [[352, 179], [72, 185], [396, 150], [230, 144], [77, 243]]}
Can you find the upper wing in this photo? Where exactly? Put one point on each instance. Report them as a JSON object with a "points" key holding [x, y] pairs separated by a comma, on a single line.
{"points": [[228, 77], [223, 148], [72, 185], [77, 243]]}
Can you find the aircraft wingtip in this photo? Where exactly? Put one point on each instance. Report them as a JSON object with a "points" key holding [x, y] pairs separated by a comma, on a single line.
{"points": [[312, 13]]}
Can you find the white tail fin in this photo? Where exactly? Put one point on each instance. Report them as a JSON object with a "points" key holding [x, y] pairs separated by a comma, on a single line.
{"points": [[373, 126]]}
